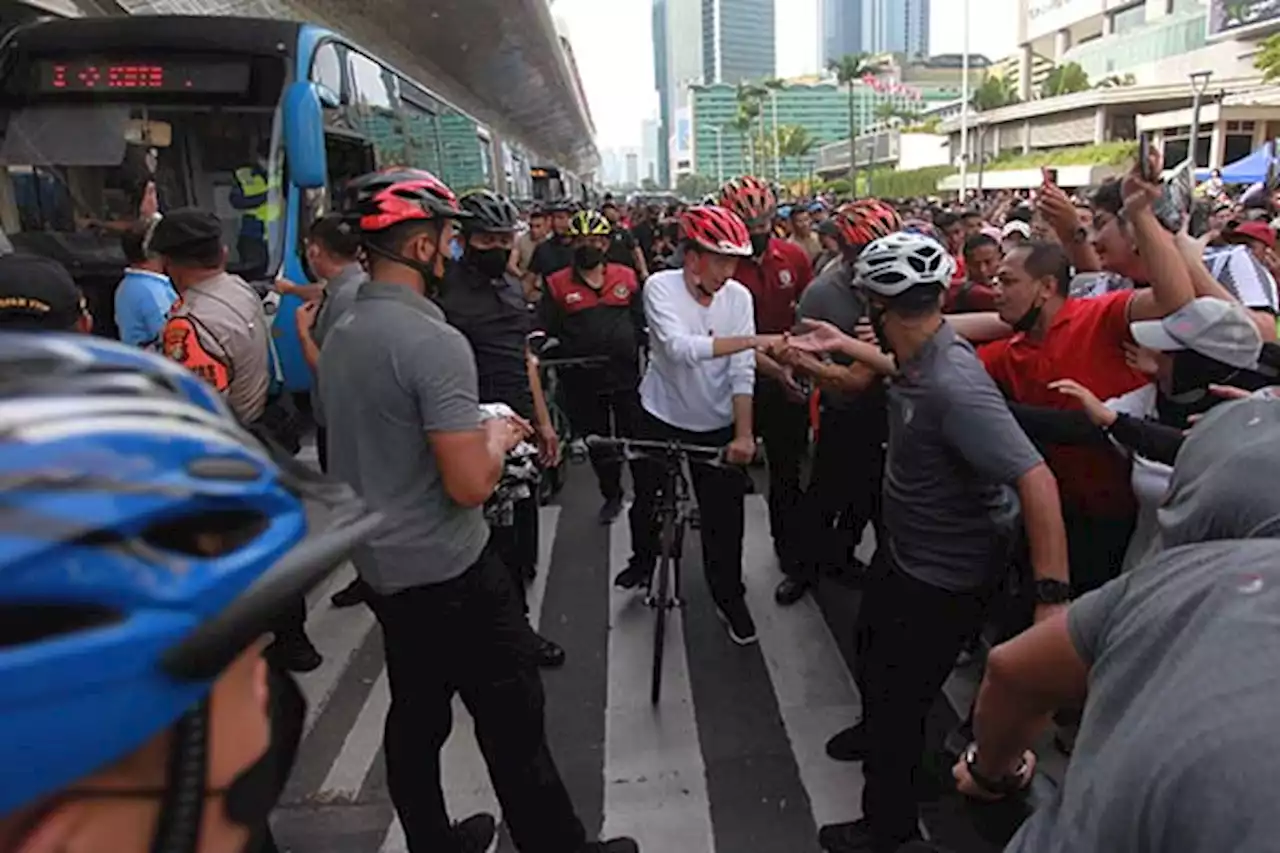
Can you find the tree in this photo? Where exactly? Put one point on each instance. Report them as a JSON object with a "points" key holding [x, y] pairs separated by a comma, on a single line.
{"points": [[996, 91], [849, 70], [649, 185], [1267, 59], [694, 186], [1064, 80], [750, 109], [794, 143], [1115, 81], [774, 85], [742, 125]]}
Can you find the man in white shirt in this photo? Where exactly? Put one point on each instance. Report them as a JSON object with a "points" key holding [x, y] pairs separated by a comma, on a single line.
{"points": [[698, 389]]}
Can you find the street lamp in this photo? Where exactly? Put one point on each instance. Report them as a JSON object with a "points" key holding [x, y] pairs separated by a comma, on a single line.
{"points": [[1199, 83]]}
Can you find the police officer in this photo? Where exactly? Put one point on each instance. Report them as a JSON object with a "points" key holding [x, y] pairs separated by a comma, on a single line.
{"points": [[257, 196], [594, 308], [218, 330], [487, 304]]}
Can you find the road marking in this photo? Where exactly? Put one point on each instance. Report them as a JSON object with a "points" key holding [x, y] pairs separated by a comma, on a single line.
{"points": [[360, 748], [337, 635], [816, 695], [465, 777], [655, 781]]}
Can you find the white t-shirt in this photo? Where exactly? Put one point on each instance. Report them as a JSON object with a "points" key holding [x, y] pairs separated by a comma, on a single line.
{"points": [[684, 384], [1150, 479]]}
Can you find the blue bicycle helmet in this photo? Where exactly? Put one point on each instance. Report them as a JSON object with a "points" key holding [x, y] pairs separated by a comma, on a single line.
{"points": [[146, 540]]}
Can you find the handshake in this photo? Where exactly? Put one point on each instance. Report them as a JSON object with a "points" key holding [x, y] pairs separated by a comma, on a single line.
{"points": [[798, 358]]}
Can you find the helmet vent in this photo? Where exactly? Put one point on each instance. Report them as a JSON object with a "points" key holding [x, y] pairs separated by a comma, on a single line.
{"points": [[208, 534], [21, 624]]}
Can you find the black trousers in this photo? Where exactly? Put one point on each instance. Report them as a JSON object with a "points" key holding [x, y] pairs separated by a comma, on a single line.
{"points": [[465, 636], [844, 492], [720, 493], [783, 424], [594, 409], [322, 448], [908, 635], [1096, 547], [517, 544]]}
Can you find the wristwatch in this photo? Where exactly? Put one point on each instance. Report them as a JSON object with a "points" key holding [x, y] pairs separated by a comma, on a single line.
{"points": [[1010, 784], [1050, 591], [1081, 236]]}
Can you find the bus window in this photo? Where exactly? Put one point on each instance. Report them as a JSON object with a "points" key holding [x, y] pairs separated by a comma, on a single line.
{"points": [[78, 175], [460, 144], [373, 109], [326, 68], [486, 161], [422, 138]]}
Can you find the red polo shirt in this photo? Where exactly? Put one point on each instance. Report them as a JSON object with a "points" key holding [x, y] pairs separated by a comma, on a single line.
{"points": [[776, 282], [1083, 343]]}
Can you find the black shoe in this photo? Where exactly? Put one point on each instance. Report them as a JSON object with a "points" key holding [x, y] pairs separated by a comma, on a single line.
{"points": [[791, 590], [547, 655], [349, 596], [737, 618], [294, 652], [856, 837], [613, 845], [610, 511], [852, 744], [476, 834], [633, 576]]}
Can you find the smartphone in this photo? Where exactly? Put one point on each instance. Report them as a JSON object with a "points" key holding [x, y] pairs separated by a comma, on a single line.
{"points": [[1144, 158]]}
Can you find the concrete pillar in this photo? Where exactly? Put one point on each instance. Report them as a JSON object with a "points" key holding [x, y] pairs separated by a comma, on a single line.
{"points": [[1100, 125], [1061, 44], [1157, 9], [1217, 144], [994, 133], [1025, 70], [1026, 137], [1108, 24]]}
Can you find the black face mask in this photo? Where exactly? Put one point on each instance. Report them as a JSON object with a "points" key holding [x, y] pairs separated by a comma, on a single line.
{"points": [[252, 795], [587, 257], [760, 242], [1194, 372], [491, 263], [1028, 320]]}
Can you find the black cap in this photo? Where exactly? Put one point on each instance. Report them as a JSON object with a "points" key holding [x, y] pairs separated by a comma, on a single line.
{"points": [[38, 293], [187, 234]]}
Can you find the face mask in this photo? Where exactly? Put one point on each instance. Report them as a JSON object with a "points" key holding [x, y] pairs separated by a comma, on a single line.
{"points": [[1193, 373], [252, 795], [587, 257], [760, 242], [455, 249], [1028, 320], [491, 263]]}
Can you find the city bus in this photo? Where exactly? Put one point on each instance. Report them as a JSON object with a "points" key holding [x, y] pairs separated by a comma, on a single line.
{"points": [[94, 111]]}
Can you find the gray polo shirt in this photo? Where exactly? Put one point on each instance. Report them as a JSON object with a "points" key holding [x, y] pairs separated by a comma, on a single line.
{"points": [[339, 295], [833, 298], [954, 451], [391, 372], [1178, 747]]}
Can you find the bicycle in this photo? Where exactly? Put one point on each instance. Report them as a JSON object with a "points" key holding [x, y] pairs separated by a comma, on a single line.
{"points": [[675, 513], [553, 391]]}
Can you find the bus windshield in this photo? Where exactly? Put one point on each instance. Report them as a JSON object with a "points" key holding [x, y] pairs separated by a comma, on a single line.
{"points": [[80, 175]]}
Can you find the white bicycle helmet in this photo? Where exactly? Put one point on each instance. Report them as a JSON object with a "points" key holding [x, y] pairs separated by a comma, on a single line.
{"points": [[892, 265]]}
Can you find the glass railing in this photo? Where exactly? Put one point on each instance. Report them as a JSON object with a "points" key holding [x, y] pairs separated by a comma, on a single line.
{"points": [[1179, 33]]}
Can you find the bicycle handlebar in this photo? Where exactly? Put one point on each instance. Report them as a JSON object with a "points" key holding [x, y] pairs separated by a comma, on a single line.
{"points": [[584, 361], [635, 448]]}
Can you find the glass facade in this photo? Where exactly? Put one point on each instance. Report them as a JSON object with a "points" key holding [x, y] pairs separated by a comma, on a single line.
{"points": [[1139, 42], [738, 40], [841, 22], [662, 80]]}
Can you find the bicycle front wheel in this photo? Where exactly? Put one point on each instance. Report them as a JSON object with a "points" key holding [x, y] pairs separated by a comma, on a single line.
{"points": [[662, 602]]}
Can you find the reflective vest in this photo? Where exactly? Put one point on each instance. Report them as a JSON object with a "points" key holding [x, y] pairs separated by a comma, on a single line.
{"points": [[254, 182]]}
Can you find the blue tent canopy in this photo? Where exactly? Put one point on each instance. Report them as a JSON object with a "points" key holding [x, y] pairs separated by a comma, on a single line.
{"points": [[1251, 169]]}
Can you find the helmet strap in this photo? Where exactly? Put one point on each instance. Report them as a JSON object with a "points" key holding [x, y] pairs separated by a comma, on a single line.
{"points": [[426, 270], [182, 806]]}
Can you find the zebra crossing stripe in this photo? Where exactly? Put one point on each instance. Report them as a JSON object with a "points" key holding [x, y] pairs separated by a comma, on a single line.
{"points": [[816, 695], [655, 780], [337, 635], [467, 787], [360, 747]]}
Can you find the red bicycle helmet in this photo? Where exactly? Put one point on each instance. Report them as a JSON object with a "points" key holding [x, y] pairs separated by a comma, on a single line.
{"points": [[860, 222], [384, 199], [749, 197], [716, 230]]}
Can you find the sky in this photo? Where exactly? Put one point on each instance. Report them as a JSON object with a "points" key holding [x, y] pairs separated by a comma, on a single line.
{"points": [[614, 50]]}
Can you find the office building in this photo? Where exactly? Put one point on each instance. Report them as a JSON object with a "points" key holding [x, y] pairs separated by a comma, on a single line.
{"points": [[677, 64], [840, 29], [632, 177], [738, 41], [650, 148], [873, 26]]}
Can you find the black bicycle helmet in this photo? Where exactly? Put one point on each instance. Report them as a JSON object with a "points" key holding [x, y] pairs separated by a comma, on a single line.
{"points": [[490, 213]]}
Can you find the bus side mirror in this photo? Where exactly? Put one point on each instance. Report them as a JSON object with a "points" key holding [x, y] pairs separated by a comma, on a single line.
{"points": [[304, 137]]}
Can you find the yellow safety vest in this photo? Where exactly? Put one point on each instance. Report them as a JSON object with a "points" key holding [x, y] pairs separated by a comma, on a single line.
{"points": [[253, 182]]}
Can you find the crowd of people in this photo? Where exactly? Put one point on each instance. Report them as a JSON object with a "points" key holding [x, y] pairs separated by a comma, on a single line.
{"points": [[1056, 414]]}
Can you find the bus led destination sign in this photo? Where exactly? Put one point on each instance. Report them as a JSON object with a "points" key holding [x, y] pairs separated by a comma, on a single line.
{"points": [[95, 75]]}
